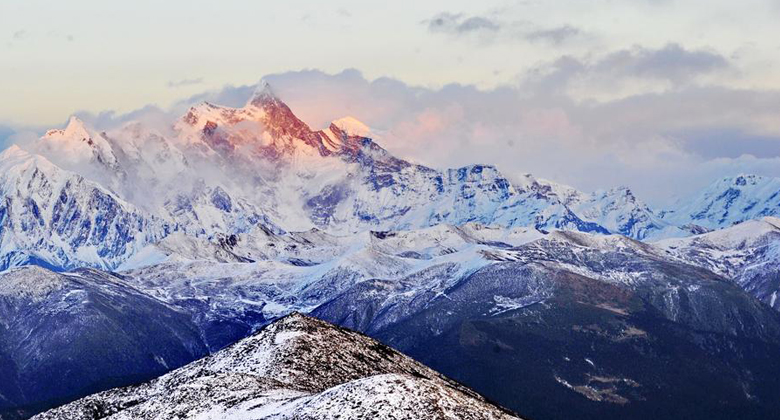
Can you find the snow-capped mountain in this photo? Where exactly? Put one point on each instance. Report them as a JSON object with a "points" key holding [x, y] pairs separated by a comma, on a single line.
{"points": [[224, 171], [295, 368], [748, 253], [220, 291], [729, 201], [56, 218], [616, 210], [229, 218], [75, 147], [300, 270]]}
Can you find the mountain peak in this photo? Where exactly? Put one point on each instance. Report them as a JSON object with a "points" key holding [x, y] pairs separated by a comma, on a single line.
{"points": [[12, 151], [264, 95], [75, 125], [278, 118], [739, 181], [265, 108], [75, 129], [731, 200], [75, 145], [12, 156], [352, 126], [622, 191]]}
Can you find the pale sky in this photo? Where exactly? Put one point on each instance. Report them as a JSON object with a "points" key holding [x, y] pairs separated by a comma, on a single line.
{"points": [[62, 56], [697, 80]]}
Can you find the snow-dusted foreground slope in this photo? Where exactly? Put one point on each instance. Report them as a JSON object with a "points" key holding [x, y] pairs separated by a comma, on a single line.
{"points": [[295, 368]]}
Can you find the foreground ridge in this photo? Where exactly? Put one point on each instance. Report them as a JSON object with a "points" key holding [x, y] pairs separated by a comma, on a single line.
{"points": [[297, 367]]}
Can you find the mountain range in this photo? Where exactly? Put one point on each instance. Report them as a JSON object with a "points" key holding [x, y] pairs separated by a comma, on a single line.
{"points": [[77, 197], [602, 324], [131, 253]]}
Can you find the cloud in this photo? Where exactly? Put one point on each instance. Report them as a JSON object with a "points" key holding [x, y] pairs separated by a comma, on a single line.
{"points": [[60, 35], [232, 96], [625, 72], [477, 23], [18, 134], [150, 115], [671, 62], [497, 29], [459, 24], [660, 143], [23, 34], [728, 142], [553, 35], [185, 82]]}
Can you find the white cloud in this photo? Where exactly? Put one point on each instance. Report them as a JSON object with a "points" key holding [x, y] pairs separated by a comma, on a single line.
{"points": [[555, 35], [185, 82], [460, 24], [496, 28]]}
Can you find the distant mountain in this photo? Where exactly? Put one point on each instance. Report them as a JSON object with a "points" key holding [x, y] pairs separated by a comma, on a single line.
{"points": [[748, 253], [58, 219], [186, 297], [607, 326], [729, 201], [616, 210], [295, 368], [604, 326], [223, 171], [66, 335]]}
